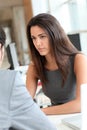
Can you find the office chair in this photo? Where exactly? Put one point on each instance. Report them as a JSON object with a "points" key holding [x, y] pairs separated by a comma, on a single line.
{"points": [[75, 39]]}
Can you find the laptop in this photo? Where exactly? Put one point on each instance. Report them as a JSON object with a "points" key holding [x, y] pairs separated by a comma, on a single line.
{"points": [[73, 122]]}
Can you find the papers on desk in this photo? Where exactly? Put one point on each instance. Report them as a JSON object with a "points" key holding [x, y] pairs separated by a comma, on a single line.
{"points": [[73, 122], [57, 120], [42, 100]]}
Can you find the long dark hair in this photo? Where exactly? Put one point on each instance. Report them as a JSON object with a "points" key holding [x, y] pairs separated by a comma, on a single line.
{"points": [[60, 44]]}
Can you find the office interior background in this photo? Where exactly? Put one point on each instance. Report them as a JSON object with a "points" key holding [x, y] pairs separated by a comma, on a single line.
{"points": [[15, 14]]}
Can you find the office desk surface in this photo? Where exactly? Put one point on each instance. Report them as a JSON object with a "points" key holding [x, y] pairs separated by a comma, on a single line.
{"points": [[56, 120]]}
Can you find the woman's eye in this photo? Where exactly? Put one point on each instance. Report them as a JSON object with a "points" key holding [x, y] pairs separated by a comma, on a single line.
{"points": [[42, 36], [33, 38]]}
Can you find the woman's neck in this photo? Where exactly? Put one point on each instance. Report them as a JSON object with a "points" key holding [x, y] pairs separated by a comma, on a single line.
{"points": [[51, 63]]}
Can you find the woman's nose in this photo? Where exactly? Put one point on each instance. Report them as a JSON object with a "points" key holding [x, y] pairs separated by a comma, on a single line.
{"points": [[38, 42]]}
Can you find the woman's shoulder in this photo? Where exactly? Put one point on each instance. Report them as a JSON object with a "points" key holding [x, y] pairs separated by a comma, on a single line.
{"points": [[80, 61], [80, 57]]}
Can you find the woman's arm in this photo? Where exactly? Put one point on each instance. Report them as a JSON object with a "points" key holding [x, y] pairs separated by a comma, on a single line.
{"points": [[74, 106], [67, 108], [31, 80]]}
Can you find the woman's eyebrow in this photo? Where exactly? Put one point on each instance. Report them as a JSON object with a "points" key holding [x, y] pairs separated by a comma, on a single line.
{"points": [[42, 34], [39, 34]]}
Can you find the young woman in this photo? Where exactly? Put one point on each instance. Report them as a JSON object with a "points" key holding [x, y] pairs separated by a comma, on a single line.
{"points": [[57, 63]]}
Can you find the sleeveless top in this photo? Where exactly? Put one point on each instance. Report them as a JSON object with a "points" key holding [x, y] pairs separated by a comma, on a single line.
{"points": [[53, 88]]}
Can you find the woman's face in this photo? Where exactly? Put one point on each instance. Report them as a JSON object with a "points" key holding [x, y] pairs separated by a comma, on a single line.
{"points": [[40, 40]]}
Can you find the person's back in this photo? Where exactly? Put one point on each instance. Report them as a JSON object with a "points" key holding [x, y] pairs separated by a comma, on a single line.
{"points": [[17, 109], [13, 96]]}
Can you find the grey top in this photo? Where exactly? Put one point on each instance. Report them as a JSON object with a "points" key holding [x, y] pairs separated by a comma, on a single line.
{"points": [[17, 109], [53, 88]]}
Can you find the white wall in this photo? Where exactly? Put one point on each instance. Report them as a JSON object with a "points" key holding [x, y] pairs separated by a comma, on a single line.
{"points": [[71, 15], [40, 6]]}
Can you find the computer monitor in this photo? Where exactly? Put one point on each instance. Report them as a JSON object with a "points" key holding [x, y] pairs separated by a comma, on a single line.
{"points": [[12, 55], [75, 39]]}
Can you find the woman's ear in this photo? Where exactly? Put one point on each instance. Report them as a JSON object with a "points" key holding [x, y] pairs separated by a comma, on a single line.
{"points": [[1, 54]]}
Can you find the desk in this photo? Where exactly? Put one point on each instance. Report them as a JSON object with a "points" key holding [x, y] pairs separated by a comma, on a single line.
{"points": [[56, 120]]}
